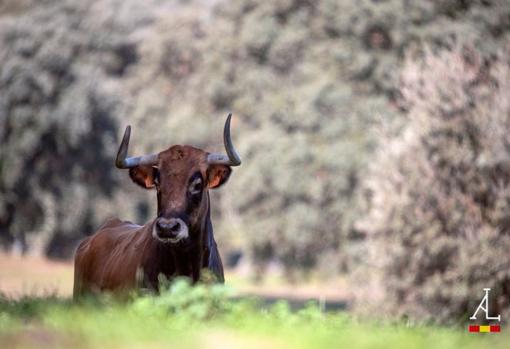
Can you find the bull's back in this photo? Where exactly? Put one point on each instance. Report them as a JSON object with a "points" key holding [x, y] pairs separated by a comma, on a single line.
{"points": [[109, 259]]}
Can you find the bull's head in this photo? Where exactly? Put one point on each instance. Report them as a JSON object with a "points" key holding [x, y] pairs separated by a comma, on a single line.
{"points": [[182, 175]]}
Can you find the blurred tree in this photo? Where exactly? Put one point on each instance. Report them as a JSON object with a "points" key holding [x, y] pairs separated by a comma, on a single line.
{"points": [[58, 103], [440, 193]]}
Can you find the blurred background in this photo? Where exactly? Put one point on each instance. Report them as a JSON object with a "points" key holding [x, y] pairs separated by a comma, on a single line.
{"points": [[374, 138]]}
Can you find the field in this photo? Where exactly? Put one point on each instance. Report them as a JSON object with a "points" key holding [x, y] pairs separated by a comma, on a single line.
{"points": [[37, 313], [21, 276]]}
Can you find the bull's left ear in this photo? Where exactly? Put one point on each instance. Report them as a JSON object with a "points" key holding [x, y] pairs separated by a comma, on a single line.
{"points": [[217, 175]]}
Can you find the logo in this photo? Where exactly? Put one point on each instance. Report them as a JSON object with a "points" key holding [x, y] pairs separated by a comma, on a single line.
{"points": [[484, 306]]}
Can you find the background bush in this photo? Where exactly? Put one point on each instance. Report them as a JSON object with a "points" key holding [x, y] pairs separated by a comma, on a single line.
{"points": [[439, 220]]}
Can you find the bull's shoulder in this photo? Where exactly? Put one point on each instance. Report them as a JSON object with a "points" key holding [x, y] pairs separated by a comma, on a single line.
{"points": [[117, 232]]}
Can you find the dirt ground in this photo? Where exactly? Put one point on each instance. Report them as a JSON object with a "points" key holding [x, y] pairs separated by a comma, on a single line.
{"points": [[33, 276]]}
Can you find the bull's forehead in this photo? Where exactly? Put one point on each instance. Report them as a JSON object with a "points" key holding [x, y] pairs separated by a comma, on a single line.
{"points": [[182, 160]]}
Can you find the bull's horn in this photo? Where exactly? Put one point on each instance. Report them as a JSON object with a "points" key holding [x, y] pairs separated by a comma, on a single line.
{"points": [[232, 158], [124, 162]]}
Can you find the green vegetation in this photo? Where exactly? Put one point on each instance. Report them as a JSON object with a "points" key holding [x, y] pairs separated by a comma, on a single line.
{"points": [[185, 317]]}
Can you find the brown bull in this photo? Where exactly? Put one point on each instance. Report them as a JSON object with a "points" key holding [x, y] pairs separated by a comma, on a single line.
{"points": [[178, 242]]}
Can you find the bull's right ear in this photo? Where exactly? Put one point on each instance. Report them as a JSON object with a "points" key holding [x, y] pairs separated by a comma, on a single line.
{"points": [[144, 176]]}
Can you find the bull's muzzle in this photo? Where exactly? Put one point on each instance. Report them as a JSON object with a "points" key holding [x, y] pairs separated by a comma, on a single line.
{"points": [[170, 230]]}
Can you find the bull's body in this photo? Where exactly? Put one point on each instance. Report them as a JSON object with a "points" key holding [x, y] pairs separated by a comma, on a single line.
{"points": [[109, 259], [122, 256]]}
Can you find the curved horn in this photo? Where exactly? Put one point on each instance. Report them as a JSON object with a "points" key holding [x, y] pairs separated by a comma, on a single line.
{"points": [[232, 158], [124, 162]]}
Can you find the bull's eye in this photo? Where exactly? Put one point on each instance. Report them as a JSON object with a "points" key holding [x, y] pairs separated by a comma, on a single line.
{"points": [[196, 186]]}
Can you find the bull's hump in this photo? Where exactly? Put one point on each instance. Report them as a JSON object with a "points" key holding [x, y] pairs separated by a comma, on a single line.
{"points": [[115, 222], [116, 229]]}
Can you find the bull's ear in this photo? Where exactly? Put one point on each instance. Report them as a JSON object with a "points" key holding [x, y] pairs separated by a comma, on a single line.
{"points": [[144, 176], [217, 175]]}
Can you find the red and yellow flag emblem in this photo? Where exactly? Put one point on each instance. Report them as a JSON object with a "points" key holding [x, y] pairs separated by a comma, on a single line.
{"points": [[484, 329]]}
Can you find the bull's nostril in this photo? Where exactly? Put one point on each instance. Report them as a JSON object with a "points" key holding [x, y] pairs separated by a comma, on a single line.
{"points": [[176, 226]]}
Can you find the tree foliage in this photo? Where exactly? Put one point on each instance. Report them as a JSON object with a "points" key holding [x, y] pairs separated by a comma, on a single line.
{"points": [[307, 81], [60, 103], [439, 220]]}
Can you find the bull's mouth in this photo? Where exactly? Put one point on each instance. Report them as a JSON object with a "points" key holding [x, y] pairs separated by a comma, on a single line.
{"points": [[169, 240]]}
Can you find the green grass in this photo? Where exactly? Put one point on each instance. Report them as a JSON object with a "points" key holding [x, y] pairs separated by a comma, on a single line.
{"points": [[204, 317]]}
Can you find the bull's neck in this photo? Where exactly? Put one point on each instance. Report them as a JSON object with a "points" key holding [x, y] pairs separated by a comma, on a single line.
{"points": [[180, 260]]}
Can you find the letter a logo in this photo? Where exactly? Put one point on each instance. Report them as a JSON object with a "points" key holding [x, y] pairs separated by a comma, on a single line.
{"points": [[484, 305]]}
